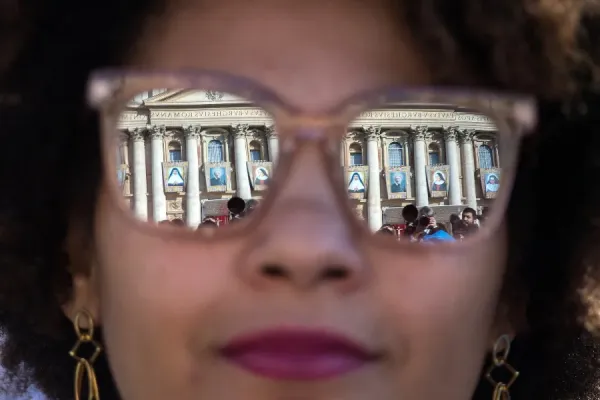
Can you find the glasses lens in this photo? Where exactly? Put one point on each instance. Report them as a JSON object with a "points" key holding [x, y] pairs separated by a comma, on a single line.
{"points": [[191, 158], [422, 172], [428, 173]]}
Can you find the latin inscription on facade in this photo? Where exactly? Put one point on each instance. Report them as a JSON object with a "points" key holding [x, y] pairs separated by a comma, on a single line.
{"points": [[128, 116], [418, 115], [208, 114], [257, 115], [406, 115]]}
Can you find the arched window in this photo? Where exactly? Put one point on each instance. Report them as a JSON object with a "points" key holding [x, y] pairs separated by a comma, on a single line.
{"points": [[174, 151], [215, 151], [356, 155], [255, 151], [434, 154], [485, 157], [395, 155]]}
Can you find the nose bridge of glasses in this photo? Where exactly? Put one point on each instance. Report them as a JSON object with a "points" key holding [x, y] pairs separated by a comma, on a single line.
{"points": [[308, 174], [312, 126]]}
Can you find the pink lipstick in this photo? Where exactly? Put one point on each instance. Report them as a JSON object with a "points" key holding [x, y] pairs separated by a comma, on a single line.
{"points": [[297, 354]]}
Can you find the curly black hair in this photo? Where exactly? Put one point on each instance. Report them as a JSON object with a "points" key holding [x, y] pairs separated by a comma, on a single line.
{"points": [[543, 47]]}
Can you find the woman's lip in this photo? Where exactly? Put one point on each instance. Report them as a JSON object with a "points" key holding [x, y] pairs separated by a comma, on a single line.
{"points": [[297, 354]]}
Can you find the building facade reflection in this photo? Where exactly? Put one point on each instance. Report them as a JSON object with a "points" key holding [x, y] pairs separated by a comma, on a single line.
{"points": [[439, 156]]}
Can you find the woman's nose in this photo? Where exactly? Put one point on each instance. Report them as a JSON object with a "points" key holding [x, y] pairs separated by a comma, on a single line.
{"points": [[305, 241]]}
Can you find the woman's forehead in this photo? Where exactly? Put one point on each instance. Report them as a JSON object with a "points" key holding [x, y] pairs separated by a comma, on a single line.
{"points": [[312, 53]]}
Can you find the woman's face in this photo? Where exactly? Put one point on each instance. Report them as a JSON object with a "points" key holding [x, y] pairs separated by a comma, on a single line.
{"points": [[166, 307]]}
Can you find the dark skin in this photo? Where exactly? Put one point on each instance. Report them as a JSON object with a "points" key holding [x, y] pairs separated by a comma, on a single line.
{"points": [[33, 272]]}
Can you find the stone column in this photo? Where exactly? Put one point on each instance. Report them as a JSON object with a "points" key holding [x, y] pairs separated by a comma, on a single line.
{"points": [[345, 149], [192, 190], [159, 200], [227, 149], [450, 135], [497, 153], [468, 164], [374, 185], [241, 161], [422, 193], [273, 143], [140, 185]]}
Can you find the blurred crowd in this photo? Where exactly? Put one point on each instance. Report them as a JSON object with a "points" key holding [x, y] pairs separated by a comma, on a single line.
{"points": [[421, 225]]}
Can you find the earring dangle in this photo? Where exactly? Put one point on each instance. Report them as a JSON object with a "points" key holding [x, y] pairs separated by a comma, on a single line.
{"points": [[84, 366], [500, 355]]}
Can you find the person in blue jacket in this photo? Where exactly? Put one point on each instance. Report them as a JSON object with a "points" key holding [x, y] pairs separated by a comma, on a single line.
{"points": [[428, 230]]}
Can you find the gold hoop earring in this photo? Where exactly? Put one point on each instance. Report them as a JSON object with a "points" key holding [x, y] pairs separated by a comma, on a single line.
{"points": [[85, 366], [500, 355]]}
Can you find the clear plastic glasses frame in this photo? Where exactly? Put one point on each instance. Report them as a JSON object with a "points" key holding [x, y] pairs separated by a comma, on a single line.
{"points": [[110, 90]]}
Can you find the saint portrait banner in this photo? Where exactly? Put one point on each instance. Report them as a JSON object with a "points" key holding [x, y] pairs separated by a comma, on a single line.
{"points": [[357, 179], [175, 176], [218, 177], [260, 174], [438, 180], [398, 182], [491, 179]]}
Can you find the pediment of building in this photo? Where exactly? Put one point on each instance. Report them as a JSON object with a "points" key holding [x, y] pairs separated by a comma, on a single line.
{"points": [[188, 97]]}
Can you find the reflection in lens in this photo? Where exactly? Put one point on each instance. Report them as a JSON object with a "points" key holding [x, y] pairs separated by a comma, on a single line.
{"points": [[204, 159], [193, 158], [422, 172]]}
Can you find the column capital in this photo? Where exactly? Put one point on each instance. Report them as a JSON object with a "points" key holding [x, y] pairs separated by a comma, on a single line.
{"points": [[157, 132], [137, 134], [419, 132], [466, 135], [192, 131], [372, 132], [240, 130], [451, 133], [270, 131]]}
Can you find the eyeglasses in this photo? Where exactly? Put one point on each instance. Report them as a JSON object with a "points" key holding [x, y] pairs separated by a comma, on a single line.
{"points": [[206, 153]]}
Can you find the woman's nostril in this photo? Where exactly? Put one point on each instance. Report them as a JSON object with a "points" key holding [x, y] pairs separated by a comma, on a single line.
{"points": [[326, 273], [274, 271], [335, 273]]}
